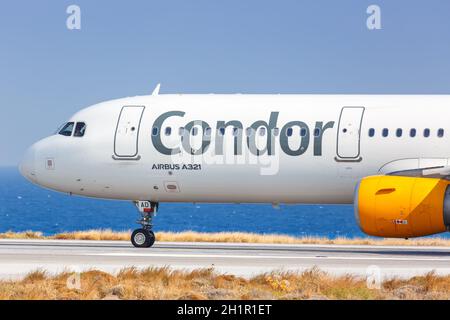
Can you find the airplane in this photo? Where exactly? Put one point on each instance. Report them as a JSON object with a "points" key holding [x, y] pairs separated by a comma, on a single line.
{"points": [[388, 155]]}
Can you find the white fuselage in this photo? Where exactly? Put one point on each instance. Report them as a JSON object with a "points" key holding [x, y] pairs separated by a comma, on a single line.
{"points": [[318, 149]]}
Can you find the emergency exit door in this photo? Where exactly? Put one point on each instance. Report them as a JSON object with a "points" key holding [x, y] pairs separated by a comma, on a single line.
{"points": [[126, 140], [349, 133]]}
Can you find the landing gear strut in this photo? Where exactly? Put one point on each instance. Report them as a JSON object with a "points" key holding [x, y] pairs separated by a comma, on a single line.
{"points": [[144, 237]]}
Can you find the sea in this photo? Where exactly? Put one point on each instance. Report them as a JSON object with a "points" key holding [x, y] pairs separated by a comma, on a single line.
{"points": [[24, 206]]}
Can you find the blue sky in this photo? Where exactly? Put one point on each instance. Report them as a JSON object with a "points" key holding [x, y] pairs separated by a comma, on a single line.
{"points": [[124, 48]]}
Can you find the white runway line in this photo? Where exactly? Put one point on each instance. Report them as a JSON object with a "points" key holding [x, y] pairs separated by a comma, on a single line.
{"points": [[162, 255], [219, 245]]}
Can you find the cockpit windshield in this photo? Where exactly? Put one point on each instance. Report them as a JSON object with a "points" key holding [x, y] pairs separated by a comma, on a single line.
{"points": [[80, 129], [67, 129]]}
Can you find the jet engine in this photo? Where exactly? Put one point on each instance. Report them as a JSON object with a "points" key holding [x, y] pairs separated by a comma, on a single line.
{"points": [[402, 207]]}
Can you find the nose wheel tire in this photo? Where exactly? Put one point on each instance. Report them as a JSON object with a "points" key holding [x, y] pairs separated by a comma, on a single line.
{"points": [[142, 238]]}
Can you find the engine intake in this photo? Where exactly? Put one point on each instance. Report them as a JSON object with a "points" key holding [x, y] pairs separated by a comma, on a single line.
{"points": [[402, 207]]}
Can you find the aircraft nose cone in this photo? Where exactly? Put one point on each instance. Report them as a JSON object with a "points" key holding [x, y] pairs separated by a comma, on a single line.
{"points": [[27, 167]]}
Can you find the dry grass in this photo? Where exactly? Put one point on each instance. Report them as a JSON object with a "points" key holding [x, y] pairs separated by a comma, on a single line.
{"points": [[164, 283], [235, 237]]}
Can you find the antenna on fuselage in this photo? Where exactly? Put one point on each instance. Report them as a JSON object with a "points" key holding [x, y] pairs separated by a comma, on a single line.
{"points": [[156, 90]]}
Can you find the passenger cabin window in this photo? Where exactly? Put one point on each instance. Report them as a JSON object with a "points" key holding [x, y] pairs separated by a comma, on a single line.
{"points": [[316, 132], [385, 132], [276, 131], [399, 133], [371, 132], [412, 133], [262, 131], [426, 133], [67, 129], [440, 133], [289, 132], [80, 129], [155, 131], [168, 131], [207, 132], [303, 132]]}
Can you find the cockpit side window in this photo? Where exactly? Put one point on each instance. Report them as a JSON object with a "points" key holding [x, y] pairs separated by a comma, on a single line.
{"points": [[67, 129], [80, 129]]}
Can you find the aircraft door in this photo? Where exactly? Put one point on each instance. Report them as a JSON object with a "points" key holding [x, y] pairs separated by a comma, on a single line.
{"points": [[349, 133], [126, 140]]}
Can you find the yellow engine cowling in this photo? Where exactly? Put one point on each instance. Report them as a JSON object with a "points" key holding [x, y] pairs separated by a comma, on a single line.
{"points": [[402, 207]]}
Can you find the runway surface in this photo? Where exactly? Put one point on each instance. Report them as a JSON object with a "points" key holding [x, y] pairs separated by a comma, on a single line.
{"points": [[18, 257]]}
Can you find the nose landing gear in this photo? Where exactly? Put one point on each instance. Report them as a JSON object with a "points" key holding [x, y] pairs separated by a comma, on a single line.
{"points": [[144, 237]]}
